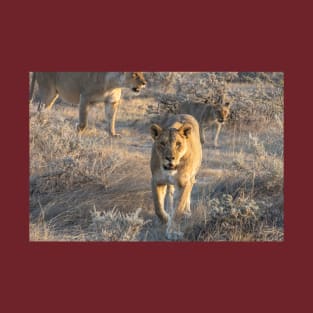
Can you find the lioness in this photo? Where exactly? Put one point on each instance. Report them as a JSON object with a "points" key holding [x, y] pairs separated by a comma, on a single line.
{"points": [[87, 88], [175, 160], [212, 115]]}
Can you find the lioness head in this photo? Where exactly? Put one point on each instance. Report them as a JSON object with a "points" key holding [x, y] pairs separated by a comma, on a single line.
{"points": [[136, 80], [171, 144], [222, 112]]}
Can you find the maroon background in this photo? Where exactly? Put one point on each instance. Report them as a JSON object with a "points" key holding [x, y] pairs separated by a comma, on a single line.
{"points": [[171, 36]]}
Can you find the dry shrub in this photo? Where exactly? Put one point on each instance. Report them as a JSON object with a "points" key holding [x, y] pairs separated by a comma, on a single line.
{"points": [[115, 226], [257, 105], [245, 204], [229, 219]]}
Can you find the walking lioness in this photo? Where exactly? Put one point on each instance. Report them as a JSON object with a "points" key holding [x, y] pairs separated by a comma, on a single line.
{"points": [[175, 160], [211, 115], [87, 88]]}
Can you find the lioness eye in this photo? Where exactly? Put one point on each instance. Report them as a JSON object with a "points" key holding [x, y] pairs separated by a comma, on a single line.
{"points": [[178, 144], [162, 143]]}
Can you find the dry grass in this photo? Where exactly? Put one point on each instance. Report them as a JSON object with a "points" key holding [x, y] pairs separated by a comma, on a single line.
{"points": [[93, 187]]}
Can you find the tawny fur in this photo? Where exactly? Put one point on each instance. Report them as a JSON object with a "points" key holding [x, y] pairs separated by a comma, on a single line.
{"points": [[175, 160], [207, 115], [87, 88]]}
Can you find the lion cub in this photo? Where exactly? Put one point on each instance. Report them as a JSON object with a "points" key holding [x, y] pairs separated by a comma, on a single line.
{"points": [[175, 160]]}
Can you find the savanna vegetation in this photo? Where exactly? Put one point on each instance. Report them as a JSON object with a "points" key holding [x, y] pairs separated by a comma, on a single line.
{"points": [[92, 187]]}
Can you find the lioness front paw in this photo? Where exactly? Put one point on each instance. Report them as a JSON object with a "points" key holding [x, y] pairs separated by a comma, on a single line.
{"points": [[164, 218]]}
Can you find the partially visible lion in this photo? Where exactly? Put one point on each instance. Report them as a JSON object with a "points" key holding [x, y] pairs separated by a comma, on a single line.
{"points": [[211, 115], [86, 88], [175, 160]]}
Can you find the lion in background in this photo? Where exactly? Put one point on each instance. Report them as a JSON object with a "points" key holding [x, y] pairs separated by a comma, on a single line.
{"points": [[175, 160], [208, 115], [86, 88]]}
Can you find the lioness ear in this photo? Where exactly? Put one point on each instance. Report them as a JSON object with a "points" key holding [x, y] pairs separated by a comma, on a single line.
{"points": [[155, 131], [185, 130], [134, 74]]}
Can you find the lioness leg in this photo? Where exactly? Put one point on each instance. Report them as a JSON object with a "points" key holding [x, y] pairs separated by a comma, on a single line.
{"points": [[111, 111], [47, 89], [111, 106], [218, 129], [171, 231], [158, 193], [182, 204], [182, 200], [201, 129], [48, 97], [169, 200], [83, 113]]}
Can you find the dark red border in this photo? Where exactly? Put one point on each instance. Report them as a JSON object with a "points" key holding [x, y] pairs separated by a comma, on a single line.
{"points": [[218, 277]]}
